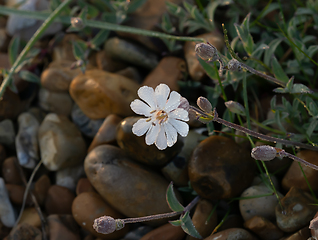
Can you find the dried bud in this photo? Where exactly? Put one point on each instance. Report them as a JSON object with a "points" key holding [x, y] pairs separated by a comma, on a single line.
{"points": [[206, 51], [77, 22], [192, 114], [234, 65], [204, 104], [104, 225], [264, 153], [235, 107], [184, 104]]}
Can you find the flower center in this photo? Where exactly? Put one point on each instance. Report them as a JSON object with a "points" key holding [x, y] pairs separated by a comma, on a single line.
{"points": [[161, 116]]}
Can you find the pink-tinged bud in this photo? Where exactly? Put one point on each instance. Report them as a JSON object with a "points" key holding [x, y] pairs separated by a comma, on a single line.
{"points": [[204, 104], [184, 104], [235, 107], [264, 153], [104, 225], [77, 22], [234, 65], [206, 51]]}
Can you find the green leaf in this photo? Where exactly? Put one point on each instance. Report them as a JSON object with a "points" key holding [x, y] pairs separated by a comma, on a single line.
{"points": [[176, 223], [278, 71], [175, 10], [30, 77], [243, 32], [210, 70], [272, 48], [166, 24], [312, 50], [188, 226], [172, 200], [79, 48], [311, 127], [134, 5], [300, 88], [259, 50], [99, 39], [13, 49], [92, 12]]}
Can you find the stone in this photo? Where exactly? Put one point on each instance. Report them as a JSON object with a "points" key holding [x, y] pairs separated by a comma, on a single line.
{"points": [[232, 221], [109, 170], [38, 113], [25, 231], [55, 102], [10, 171], [258, 206], [302, 234], [200, 216], [137, 148], [99, 93], [68, 177], [169, 71], [41, 188], [84, 185], [220, 168], [106, 63], [165, 232], [4, 40], [298, 210], [26, 141], [61, 143], [295, 177], [26, 27], [64, 50], [59, 200], [196, 71], [131, 73], [232, 234], [264, 228], [87, 126], [106, 133], [129, 52], [63, 227], [138, 233], [58, 76], [31, 217], [4, 231], [7, 214], [7, 133], [258, 181], [88, 206], [16, 194], [3, 155]]}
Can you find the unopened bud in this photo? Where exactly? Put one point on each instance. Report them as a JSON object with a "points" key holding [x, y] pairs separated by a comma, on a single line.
{"points": [[235, 107], [206, 51], [184, 104], [204, 104], [107, 224], [234, 65], [314, 223], [264, 153], [77, 22]]}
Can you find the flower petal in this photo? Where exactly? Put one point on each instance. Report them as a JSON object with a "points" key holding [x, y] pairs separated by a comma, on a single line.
{"points": [[148, 95], [152, 134], [173, 102], [180, 114], [181, 127], [141, 127], [161, 141], [140, 107], [161, 93], [171, 134]]}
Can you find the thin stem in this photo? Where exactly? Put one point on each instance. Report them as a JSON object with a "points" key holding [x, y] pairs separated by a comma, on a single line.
{"points": [[282, 153], [227, 43], [48, 21], [306, 179]]}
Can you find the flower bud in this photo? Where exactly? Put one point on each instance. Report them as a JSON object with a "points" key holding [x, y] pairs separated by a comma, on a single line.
{"points": [[264, 153], [235, 107], [104, 225], [204, 104], [184, 104], [206, 51], [77, 22], [234, 65], [314, 224]]}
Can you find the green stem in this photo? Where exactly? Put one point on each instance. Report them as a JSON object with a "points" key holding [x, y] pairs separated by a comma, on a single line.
{"points": [[6, 82]]}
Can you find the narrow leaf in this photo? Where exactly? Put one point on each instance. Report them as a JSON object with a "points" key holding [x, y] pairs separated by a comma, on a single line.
{"points": [[99, 39], [272, 48], [311, 127], [278, 71], [13, 49], [176, 223], [172, 200], [134, 5], [188, 226], [79, 49], [30, 77]]}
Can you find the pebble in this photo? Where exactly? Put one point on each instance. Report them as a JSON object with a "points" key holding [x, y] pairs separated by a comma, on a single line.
{"points": [[165, 232], [88, 206], [131, 73], [302, 234], [41, 188], [99, 93], [220, 168], [63, 227], [298, 210], [232, 234], [61, 143], [110, 170], [169, 71], [295, 177], [84, 185], [26, 141], [196, 71], [30, 216], [86, 125], [16, 193], [137, 233], [131, 53], [7, 214], [258, 206], [264, 228], [25, 231], [137, 148], [10, 171], [3, 155], [232, 221], [106, 63], [200, 216], [106, 133], [68, 177], [64, 50], [4, 231], [59, 200], [7, 133], [177, 171], [55, 102], [58, 76], [258, 181]]}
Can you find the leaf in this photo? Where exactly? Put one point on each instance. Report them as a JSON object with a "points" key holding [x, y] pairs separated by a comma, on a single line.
{"points": [[243, 32], [175, 10], [13, 49], [99, 39], [134, 5], [30, 77], [176, 223], [92, 12], [172, 200], [312, 50], [311, 127], [188, 226], [210, 70], [278, 71], [300, 88], [272, 48], [259, 50], [166, 24], [79, 48]]}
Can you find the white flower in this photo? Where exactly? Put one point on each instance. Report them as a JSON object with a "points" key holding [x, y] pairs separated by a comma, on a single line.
{"points": [[165, 119]]}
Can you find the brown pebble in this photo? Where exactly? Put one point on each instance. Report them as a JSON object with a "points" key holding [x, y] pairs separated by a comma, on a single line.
{"points": [[16, 193], [84, 185], [41, 188], [10, 171], [63, 227], [31, 216], [25, 231], [165, 232], [232, 234], [59, 200]]}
